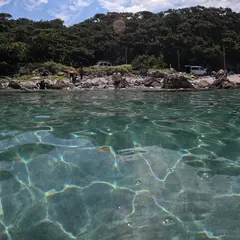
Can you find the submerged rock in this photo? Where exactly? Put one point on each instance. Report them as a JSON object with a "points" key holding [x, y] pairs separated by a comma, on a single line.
{"points": [[175, 81]]}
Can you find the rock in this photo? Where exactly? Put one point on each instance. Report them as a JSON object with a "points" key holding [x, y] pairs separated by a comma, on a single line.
{"points": [[157, 83], [143, 72], [87, 84], [24, 71], [60, 73], [152, 82], [44, 73], [172, 70], [61, 85], [201, 83], [124, 83], [175, 81], [35, 78], [157, 74], [29, 85], [223, 83], [14, 85]]}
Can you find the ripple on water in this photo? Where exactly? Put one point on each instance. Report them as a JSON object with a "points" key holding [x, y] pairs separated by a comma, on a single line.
{"points": [[119, 165]]}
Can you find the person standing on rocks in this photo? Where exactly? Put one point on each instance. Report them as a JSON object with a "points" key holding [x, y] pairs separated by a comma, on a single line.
{"points": [[225, 73], [42, 85], [71, 75], [81, 72], [116, 78]]}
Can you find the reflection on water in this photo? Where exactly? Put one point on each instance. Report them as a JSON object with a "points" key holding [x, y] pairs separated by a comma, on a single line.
{"points": [[120, 165]]}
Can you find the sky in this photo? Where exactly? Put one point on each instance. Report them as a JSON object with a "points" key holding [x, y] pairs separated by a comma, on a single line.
{"points": [[75, 11]]}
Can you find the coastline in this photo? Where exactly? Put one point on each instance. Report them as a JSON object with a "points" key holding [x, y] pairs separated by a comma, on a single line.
{"points": [[171, 82]]}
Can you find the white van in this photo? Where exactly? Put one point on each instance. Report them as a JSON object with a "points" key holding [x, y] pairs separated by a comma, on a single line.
{"points": [[196, 70], [103, 64]]}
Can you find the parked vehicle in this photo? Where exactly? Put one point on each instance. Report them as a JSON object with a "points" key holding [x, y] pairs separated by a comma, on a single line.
{"points": [[196, 70], [103, 64]]}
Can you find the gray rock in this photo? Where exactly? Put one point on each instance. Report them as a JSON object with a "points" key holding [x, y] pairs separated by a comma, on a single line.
{"points": [[60, 73], [61, 85], [152, 82], [223, 83], [29, 85], [87, 84], [24, 71], [201, 84], [124, 83], [175, 81]]}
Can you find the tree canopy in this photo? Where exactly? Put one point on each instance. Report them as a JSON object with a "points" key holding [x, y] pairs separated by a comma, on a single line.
{"points": [[195, 35]]}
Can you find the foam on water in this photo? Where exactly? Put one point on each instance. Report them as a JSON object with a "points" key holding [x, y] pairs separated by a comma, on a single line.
{"points": [[120, 165]]}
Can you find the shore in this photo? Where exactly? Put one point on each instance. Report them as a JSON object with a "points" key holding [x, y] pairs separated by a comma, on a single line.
{"points": [[151, 82]]}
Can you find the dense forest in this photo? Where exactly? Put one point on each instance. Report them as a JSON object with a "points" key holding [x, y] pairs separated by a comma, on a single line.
{"points": [[195, 35]]}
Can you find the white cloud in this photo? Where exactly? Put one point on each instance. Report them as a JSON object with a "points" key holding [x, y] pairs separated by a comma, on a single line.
{"points": [[157, 5], [4, 2], [32, 4], [69, 11]]}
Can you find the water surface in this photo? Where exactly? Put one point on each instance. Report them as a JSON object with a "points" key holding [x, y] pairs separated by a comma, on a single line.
{"points": [[120, 165]]}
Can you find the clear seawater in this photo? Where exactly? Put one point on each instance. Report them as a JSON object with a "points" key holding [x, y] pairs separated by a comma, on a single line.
{"points": [[120, 165]]}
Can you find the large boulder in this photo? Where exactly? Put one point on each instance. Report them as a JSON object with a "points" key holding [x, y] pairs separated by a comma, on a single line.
{"points": [[124, 83], [87, 84], [174, 81], [201, 83], [29, 85], [152, 82], [223, 83], [14, 85]]}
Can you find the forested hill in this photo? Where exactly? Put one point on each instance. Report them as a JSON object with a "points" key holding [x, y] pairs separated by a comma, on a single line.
{"points": [[198, 34]]}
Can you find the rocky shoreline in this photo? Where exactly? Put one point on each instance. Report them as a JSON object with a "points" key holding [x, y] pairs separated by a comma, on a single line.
{"points": [[153, 82]]}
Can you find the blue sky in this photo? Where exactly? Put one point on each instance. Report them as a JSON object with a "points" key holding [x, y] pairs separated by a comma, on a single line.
{"points": [[74, 11]]}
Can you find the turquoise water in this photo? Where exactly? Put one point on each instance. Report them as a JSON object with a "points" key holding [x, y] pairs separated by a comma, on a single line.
{"points": [[120, 165]]}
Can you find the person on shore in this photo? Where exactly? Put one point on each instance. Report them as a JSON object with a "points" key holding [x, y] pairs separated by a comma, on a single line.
{"points": [[71, 75], [81, 72], [225, 73], [213, 74], [220, 73], [116, 78], [42, 85]]}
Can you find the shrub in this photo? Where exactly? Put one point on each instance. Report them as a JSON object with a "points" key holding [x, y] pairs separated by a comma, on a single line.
{"points": [[147, 62], [6, 68]]}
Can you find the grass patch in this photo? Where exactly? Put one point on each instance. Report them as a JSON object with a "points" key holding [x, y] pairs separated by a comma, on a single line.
{"points": [[30, 78], [95, 70], [52, 67]]}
